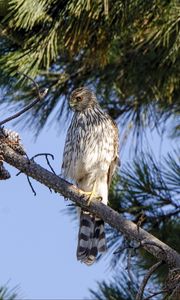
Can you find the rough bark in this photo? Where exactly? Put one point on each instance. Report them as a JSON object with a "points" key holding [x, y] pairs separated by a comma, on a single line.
{"points": [[129, 229]]}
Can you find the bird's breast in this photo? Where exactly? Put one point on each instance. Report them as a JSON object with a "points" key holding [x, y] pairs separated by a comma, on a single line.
{"points": [[89, 146]]}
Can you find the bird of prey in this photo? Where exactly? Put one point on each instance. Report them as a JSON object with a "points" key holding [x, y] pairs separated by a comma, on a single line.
{"points": [[89, 160]]}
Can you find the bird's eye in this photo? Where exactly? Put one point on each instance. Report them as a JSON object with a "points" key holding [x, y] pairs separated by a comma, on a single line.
{"points": [[78, 98]]}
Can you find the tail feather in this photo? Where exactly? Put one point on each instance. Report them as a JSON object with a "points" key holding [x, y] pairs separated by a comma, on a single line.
{"points": [[91, 239], [102, 238]]}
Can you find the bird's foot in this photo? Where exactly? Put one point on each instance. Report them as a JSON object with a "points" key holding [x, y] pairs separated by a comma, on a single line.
{"points": [[92, 196]]}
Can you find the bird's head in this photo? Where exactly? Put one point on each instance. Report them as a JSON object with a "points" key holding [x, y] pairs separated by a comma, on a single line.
{"points": [[82, 98]]}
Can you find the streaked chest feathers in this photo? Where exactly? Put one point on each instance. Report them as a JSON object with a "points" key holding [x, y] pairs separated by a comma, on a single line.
{"points": [[89, 144]]}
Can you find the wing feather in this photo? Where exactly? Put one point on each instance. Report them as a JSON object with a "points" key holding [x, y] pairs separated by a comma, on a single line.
{"points": [[115, 161]]}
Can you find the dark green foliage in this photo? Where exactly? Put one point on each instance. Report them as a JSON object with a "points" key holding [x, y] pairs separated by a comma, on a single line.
{"points": [[128, 50], [117, 290], [8, 294], [123, 289], [146, 187], [152, 189]]}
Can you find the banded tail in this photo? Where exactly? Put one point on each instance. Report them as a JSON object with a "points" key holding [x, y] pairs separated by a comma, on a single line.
{"points": [[91, 239]]}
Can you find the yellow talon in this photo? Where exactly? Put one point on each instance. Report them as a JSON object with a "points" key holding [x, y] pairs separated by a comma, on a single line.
{"points": [[92, 195]]}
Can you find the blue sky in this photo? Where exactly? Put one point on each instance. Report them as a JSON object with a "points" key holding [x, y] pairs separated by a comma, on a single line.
{"points": [[38, 240]]}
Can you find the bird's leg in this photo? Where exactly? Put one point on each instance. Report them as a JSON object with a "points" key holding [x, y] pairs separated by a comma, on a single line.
{"points": [[92, 195]]}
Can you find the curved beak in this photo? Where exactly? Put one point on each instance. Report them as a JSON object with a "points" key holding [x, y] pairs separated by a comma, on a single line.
{"points": [[72, 103]]}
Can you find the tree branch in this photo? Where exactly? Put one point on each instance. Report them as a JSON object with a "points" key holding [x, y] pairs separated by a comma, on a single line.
{"points": [[149, 242], [40, 96], [139, 295], [26, 108]]}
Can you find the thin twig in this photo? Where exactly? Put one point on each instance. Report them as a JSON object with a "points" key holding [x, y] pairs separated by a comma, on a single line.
{"points": [[40, 96], [140, 293], [34, 82], [26, 108], [39, 154], [151, 243], [47, 160], [42, 154], [19, 173], [142, 218], [155, 294], [29, 181]]}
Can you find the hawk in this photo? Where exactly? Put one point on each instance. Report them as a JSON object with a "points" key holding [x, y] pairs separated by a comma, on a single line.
{"points": [[89, 160]]}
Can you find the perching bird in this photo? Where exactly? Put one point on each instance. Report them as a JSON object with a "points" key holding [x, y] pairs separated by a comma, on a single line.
{"points": [[89, 160]]}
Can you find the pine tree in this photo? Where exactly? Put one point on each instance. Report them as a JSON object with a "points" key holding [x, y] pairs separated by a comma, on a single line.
{"points": [[128, 51], [8, 294]]}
